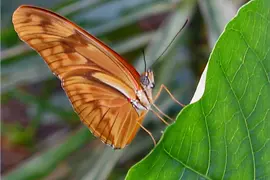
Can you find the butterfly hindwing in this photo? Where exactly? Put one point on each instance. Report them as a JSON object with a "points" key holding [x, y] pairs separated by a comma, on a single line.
{"points": [[104, 110]]}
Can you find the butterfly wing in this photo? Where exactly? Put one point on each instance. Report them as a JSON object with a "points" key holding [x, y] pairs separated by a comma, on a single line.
{"points": [[96, 79], [104, 110]]}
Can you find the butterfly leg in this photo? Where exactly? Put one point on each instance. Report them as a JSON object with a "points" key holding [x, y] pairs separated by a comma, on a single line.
{"points": [[173, 98], [150, 134], [160, 117], [162, 112]]}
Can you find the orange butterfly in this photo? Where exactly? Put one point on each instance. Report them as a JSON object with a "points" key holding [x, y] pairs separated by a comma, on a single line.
{"points": [[109, 95]]}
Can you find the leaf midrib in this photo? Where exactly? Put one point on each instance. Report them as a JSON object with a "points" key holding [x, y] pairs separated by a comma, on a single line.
{"points": [[242, 113]]}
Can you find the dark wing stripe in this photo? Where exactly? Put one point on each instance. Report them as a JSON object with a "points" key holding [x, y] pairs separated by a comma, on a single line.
{"points": [[103, 116], [129, 129], [112, 127], [107, 123], [80, 113], [90, 113], [80, 100], [119, 132], [51, 47], [41, 34]]}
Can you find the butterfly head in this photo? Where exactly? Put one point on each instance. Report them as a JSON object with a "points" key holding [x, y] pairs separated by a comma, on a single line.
{"points": [[148, 83], [147, 79]]}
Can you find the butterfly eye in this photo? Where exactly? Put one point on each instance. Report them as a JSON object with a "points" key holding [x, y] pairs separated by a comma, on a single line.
{"points": [[144, 80]]}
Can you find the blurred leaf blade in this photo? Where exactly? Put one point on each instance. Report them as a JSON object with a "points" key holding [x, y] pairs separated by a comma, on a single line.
{"points": [[217, 14], [42, 164], [226, 133]]}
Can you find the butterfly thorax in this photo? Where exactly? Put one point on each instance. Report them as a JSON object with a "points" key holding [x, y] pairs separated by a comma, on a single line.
{"points": [[144, 95]]}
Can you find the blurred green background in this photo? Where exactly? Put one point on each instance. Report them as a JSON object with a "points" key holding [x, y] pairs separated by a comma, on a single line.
{"points": [[41, 136]]}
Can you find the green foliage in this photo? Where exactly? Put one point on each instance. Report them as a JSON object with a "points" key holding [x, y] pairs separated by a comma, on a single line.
{"points": [[224, 135], [43, 164]]}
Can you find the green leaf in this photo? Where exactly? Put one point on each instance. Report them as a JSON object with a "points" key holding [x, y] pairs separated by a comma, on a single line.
{"points": [[224, 135]]}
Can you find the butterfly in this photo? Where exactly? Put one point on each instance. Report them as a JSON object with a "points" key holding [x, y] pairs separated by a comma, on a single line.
{"points": [[108, 94]]}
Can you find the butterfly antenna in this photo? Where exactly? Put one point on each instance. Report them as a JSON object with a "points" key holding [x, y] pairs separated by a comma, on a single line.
{"points": [[170, 42], [144, 61]]}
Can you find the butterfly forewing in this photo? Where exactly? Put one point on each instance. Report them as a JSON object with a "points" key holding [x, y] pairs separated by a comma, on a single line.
{"points": [[96, 79], [62, 43]]}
